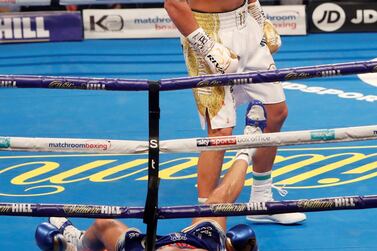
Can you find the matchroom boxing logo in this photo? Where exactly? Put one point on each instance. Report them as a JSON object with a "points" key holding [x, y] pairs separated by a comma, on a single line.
{"points": [[328, 17]]}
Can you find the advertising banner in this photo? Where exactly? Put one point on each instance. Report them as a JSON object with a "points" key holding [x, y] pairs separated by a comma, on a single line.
{"points": [[40, 27], [153, 23], [128, 23], [288, 19], [342, 17]]}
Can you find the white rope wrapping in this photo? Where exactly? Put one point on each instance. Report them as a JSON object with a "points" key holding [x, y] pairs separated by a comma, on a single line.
{"points": [[271, 139], [189, 145], [73, 145]]}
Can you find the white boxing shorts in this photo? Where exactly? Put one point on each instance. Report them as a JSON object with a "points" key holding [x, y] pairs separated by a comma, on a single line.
{"points": [[238, 31]]}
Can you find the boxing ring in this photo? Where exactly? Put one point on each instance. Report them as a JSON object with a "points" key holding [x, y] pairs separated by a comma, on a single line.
{"points": [[186, 145]]}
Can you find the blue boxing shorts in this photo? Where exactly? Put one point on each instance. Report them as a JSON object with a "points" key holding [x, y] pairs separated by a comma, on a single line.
{"points": [[206, 235]]}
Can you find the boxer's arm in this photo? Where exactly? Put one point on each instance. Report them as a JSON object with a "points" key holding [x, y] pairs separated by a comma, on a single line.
{"points": [[273, 39], [241, 237], [228, 190], [180, 13], [219, 58], [48, 237], [256, 11]]}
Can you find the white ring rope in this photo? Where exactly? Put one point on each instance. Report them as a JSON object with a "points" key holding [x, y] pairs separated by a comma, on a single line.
{"points": [[103, 146], [271, 139], [72, 145]]}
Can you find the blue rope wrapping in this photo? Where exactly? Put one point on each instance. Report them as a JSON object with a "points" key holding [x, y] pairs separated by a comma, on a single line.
{"points": [[115, 84], [209, 210]]}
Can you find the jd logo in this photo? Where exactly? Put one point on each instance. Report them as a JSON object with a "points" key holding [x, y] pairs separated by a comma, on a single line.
{"points": [[328, 17], [365, 16]]}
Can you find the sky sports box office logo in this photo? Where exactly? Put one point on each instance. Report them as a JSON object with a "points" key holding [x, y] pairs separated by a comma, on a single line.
{"points": [[40, 27], [342, 17], [216, 141]]}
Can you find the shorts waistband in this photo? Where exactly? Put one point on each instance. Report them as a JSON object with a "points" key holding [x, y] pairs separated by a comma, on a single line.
{"points": [[229, 19]]}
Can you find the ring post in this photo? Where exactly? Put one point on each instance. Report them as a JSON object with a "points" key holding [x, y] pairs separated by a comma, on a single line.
{"points": [[151, 203]]}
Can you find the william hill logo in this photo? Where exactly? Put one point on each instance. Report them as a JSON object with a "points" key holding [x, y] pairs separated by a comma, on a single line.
{"points": [[23, 28], [298, 168]]}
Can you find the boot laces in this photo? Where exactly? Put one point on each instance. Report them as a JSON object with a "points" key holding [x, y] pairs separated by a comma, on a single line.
{"points": [[283, 192], [250, 130]]}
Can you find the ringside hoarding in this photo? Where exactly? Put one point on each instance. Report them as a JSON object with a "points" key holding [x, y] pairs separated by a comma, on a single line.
{"points": [[128, 23], [342, 17], [288, 20], [155, 22], [40, 27]]}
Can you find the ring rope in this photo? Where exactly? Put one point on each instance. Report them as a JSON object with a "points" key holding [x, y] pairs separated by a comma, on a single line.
{"points": [[284, 74], [190, 145], [271, 139], [115, 84], [190, 211], [72, 145]]}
